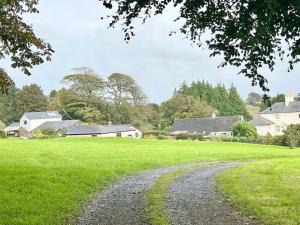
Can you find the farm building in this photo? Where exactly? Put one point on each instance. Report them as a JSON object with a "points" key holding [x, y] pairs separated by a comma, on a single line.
{"points": [[206, 126], [105, 131], [57, 125], [12, 129], [33, 121]]}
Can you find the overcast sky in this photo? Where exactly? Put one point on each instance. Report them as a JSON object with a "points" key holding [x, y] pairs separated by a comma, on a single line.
{"points": [[159, 63]]}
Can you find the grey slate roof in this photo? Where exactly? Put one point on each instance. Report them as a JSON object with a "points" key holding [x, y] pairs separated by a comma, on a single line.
{"points": [[279, 107], [12, 127], [206, 125], [99, 129], [57, 125], [42, 115], [260, 121]]}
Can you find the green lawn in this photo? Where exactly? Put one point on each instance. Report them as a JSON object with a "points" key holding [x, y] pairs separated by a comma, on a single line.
{"points": [[268, 189], [46, 182]]}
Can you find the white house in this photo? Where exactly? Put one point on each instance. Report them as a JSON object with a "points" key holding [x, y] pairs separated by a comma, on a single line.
{"points": [[105, 131], [275, 119], [31, 120]]}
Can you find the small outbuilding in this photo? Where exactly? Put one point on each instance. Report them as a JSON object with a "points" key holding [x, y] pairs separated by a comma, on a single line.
{"points": [[12, 129], [105, 131]]}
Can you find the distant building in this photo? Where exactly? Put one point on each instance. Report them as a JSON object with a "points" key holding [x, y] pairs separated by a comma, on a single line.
{"points": [[32, 121], [105, 131], [206, 126], [12, 129], [275, 119], [58, 125]]}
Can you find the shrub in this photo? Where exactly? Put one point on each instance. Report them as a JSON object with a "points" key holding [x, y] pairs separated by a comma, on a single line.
{"points": [[244, 129], [2, 125], [38, 134], [198, 137], [2, 134], [182, 136], [226, 138], [186, 136], [274, 140], [162, 137], [154, 134], [292, 135], [48, 132]]}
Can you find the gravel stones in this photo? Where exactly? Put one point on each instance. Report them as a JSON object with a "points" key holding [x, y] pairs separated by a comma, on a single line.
{"points": [[193, 200], [124, 202]]}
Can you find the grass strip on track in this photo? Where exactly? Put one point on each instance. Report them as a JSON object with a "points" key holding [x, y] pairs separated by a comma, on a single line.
{"points": [[156, 195]]}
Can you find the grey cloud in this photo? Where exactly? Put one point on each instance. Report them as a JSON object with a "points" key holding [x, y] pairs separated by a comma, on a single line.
{"points": [[158, 62]]}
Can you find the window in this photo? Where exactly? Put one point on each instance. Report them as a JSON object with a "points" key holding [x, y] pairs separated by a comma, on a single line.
{"points": [[277, 116], [25, 122], [277, 128]]}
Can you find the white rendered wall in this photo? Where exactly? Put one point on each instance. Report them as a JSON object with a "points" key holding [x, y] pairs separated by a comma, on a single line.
{"points": [[32, 124], [281, 121]]}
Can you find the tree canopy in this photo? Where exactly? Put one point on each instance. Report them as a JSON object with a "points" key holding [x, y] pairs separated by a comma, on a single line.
{"points": [[31, 99], [86, 83], [18, 41], [248, 34], [8, 103], [182, 106], [227, 102]]}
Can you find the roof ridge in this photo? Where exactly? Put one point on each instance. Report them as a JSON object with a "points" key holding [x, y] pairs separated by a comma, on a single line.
{"points": [[217, 117]]}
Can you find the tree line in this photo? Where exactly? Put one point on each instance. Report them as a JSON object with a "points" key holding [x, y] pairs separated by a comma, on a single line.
{"points": [[226, 102], [88, 97]]}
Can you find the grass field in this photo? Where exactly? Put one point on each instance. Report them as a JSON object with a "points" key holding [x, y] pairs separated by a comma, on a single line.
{"points": [[46, 182], [268, 189]]}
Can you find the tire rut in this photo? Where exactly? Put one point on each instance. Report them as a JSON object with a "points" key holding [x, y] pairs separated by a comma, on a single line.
{"points": [[124, 202], [193, 200]]}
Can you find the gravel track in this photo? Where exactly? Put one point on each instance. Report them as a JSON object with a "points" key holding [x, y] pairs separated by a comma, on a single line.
{"points": [[124, 202], [193, 200]]}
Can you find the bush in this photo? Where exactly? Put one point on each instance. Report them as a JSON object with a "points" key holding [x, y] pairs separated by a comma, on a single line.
{"points": [[244, 129], [187, 136], [154, 134], [292, 135], [198, 137], [163, 137], [38, 134], [2, 125], [182, 136], [274, 140], [2, 134], [226, 138], [48, 132]]}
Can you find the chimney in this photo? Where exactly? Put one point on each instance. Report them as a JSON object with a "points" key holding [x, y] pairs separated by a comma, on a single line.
{"points": [[289, 97]]}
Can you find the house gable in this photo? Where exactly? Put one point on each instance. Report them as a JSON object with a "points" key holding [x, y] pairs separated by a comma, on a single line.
{"points": [[31, 120]]}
